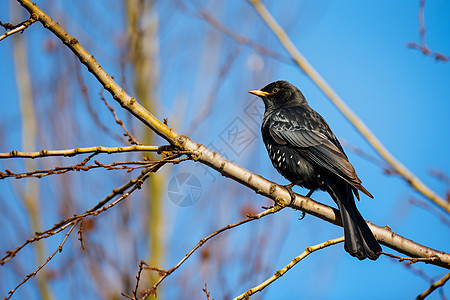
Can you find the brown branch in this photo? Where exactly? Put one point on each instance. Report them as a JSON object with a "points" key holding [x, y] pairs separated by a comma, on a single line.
{"points": [[422, 47], [12, 253], [93, 113], [16, 28], [82, 167], [438, 174], [98, 209], [133, 184], [166, 273], [76, 151], [240, 39], [59, 249], [434, 286], [283, 271], [138, 278], [411, 260], [208, 294], [131, 138], [444, 218]]}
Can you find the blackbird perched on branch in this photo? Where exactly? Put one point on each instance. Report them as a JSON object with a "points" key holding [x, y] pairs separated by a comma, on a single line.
{"points": [[306, 152]]}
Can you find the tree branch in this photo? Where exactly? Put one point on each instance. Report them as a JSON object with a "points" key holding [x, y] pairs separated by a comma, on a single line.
{"points": [[76, 151], [281, 272], [166, 273], [204, 155], [422, 47], [132, 185], [16, 28], [240, 39], [59, 249], [434, 286]]}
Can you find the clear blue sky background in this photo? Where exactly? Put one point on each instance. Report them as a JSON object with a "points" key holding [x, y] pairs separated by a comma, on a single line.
{"points": [[359, 47]]}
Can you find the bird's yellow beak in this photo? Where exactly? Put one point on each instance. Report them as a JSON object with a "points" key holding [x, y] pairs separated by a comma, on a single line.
{"points": [[259, 93]]}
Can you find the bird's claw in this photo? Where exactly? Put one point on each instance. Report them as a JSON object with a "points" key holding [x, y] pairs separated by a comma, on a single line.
{"points": [[303, 216], [288, 187]]}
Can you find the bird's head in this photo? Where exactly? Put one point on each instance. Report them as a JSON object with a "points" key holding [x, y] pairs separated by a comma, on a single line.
{"points": [[279, 94]]}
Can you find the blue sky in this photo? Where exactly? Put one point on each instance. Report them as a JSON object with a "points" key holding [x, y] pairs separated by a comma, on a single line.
{"points": [[359, 47]]}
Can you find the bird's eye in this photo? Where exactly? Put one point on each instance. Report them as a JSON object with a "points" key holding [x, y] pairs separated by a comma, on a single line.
{"points": [[274, 91]]}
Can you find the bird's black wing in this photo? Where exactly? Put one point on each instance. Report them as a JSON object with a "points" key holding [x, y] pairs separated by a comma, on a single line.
{"points": [[305, 130]]}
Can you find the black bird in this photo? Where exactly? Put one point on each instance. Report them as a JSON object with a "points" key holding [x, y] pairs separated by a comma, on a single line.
{"points": [[306, 152]]}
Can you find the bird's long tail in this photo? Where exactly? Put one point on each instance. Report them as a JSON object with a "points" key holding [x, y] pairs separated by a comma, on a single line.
{"points": [[359, 239]]}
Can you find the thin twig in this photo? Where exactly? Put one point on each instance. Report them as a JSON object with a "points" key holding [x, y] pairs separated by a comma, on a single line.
{"points": [[40, 173], [92, 112], [422, 47], [444, 218], [240, 39], [208, 294], [281, 272], [166, 273], [76, 151], [12, 253], [410, 260], [98, 209], [138, 278], [434, 286], [82, 167], [16, 28], [131, 138], [438, 174], [373, 159], [59, 249]]}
